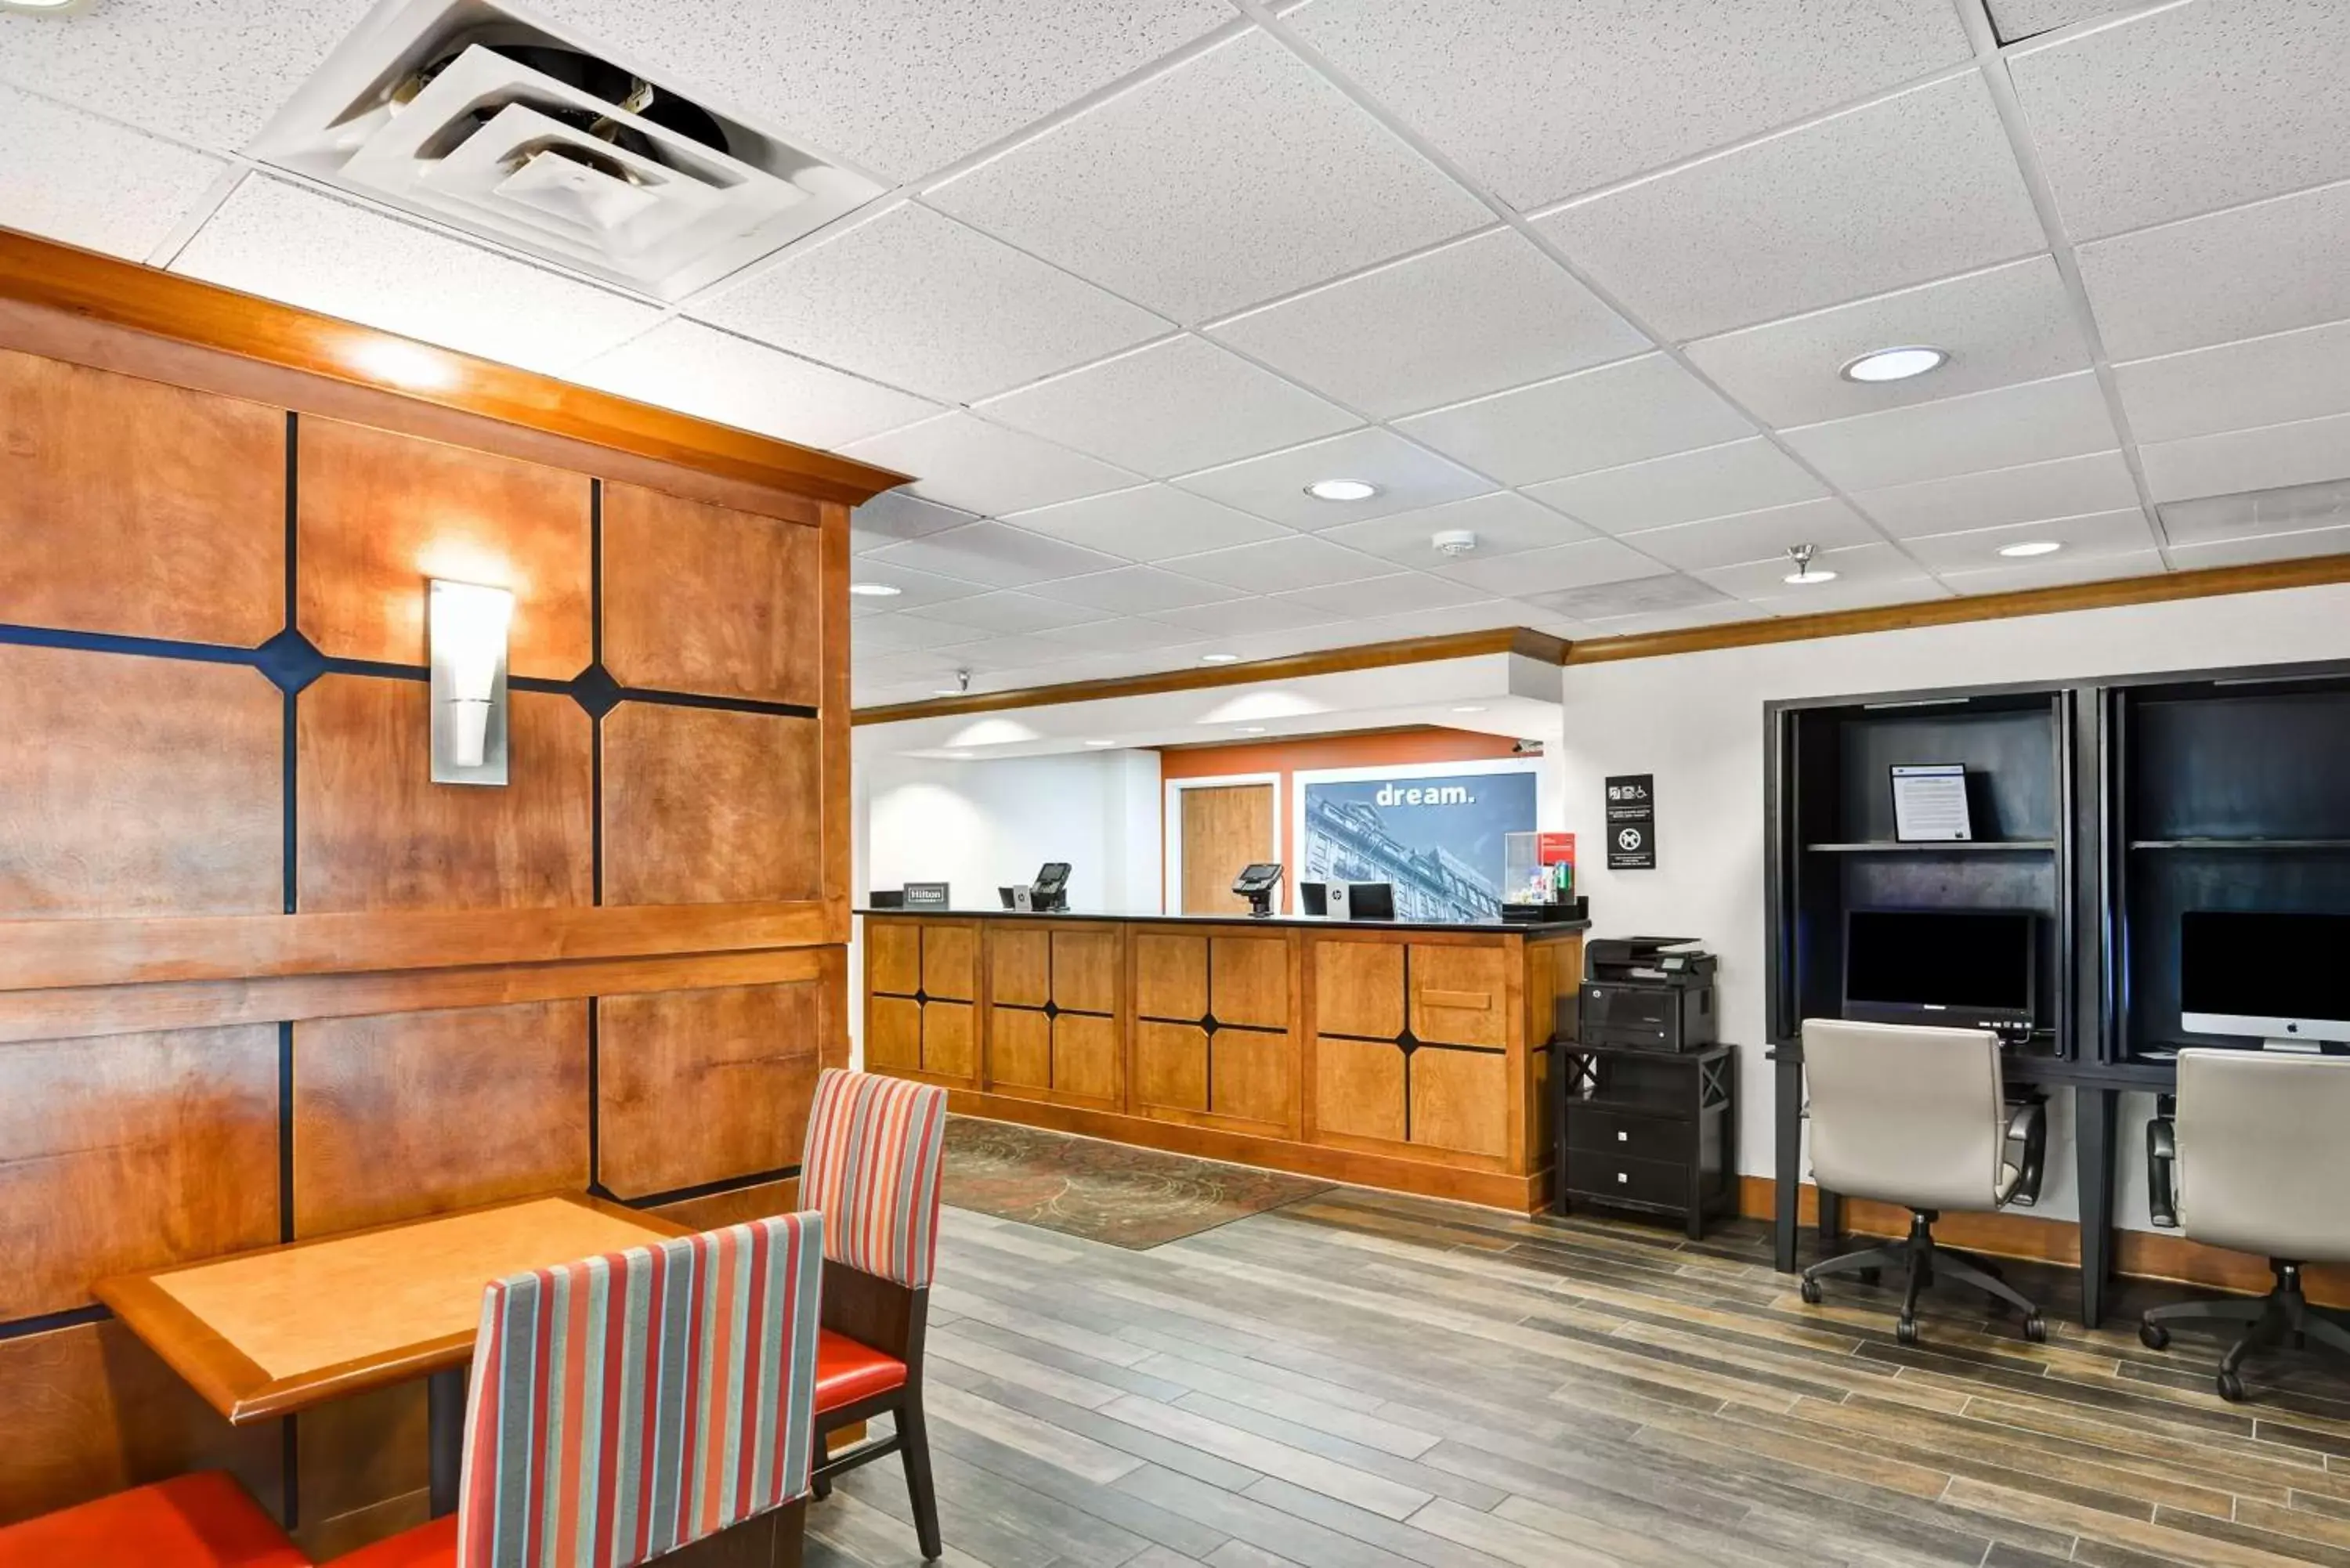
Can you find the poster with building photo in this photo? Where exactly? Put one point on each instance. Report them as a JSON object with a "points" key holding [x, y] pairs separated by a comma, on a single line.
{"points": [[1437, 835]]}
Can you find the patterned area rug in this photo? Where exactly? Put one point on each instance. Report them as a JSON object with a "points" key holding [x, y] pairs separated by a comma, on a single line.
{"points": [[1134, 1198]]}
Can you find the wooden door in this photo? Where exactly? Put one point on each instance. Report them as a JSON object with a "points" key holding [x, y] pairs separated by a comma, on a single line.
{"points": [[1225, 827]]}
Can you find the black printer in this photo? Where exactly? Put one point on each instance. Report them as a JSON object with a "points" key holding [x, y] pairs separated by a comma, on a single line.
{"points": [[1647, 994]]}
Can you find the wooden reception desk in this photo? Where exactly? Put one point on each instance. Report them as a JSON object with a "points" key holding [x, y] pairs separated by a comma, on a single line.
{"points": [[1390, 1053]]}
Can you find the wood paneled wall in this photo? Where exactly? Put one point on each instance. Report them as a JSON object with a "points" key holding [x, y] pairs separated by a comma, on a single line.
{"points": [[259, 977]]}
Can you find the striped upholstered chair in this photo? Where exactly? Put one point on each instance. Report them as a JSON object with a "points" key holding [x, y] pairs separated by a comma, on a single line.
{"points": [[874, 1148], [626, 1405]]}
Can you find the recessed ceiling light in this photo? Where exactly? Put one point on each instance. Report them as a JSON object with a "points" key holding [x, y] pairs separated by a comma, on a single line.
{"points": [[1219, 658], [1805, 573], [874, 590], [1342, 490], [1101, 744], [1251, 728], [1895, 364], [959, 756], [1470, 708], [47, 7], [2032, 547]]}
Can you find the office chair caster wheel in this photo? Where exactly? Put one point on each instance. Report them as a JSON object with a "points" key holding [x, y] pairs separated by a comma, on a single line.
{"points": [[1810, 1290], [2231, 1388], [2035, 1329], [1906, 1330], [2154, 1336]]}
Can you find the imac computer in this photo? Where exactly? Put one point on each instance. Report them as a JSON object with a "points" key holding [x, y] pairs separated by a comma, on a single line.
{"points": [[1971, 968], [2284, 979]]}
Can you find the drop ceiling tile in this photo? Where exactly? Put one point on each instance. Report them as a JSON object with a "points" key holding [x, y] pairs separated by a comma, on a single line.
{"points": [[1829, 597], [713, 375], [66, 175], [2017, 20], [1137, 590], [1373, 598], [2303, 452], [1007, 612], [1605, 602], [921, 301], [1907, 189], [984, 467], [996, 553], [925, 672], [1148, 523], [2056, 571], [896, 515], [1722, 612], [998, 654], [2292, 509], [1477, 615], [2259, 381], [1580, 565], [1276, 566], [1238, 175], [2060, 417], [2188, 107], [1274, 486], [2117, 533], [916, 589], [206, 71], [290, 243], [2064, 487], [2268, 267], [872, 636], [1541, 99], [902, 87], [1503, 521], [1171, 407], [2005, 324], [1240, 618], [1592, 419], [2267, 547], [1764, 535], [1712, 482], [1131, 634], [1472, 318]]}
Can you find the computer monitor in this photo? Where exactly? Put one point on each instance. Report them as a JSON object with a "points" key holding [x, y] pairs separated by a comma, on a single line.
{"points": [[1314, 898], [2281, 977], [1371, 901], [1971, 968]]}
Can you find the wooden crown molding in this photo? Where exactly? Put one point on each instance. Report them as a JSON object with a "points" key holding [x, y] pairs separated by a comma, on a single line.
{"points": [[1292, 667], [48, 275], [2203, 583]]}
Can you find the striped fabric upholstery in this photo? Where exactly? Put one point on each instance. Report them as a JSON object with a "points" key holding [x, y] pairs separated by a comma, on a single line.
{"points": [[874, 1146], [626, 1404]]}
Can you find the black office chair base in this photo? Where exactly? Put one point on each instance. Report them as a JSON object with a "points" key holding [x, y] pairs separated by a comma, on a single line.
{"points": [[2281, 1318], [1922, 1260]]}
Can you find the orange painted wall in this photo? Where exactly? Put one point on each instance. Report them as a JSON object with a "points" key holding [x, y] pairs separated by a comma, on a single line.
{"points": [[1380, 749]]}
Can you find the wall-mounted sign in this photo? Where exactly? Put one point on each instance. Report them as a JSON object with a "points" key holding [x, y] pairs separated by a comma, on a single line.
{"points": [[926, 895], [1632, 822]]}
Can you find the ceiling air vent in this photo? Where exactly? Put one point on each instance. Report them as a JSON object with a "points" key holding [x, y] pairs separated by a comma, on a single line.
{"points": [[463, 114]]}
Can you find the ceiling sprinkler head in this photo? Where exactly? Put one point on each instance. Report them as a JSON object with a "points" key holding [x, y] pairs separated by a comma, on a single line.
{"points": [[1454, 542], [1805, 571]]}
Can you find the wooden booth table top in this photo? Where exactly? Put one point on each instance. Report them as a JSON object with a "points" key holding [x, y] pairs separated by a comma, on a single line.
{"points": [[284, 1328]]}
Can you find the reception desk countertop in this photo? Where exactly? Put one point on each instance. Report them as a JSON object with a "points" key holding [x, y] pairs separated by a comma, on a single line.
{"points": [[1241, 916]]}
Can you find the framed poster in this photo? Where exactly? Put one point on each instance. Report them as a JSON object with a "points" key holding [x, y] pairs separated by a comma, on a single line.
{"points": [[1436, 832]]}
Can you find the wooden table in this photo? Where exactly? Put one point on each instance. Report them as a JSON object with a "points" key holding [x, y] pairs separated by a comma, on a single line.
{"points": [[265, 1333]]}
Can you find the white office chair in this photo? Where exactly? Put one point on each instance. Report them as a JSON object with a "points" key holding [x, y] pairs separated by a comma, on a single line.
{"points": [[2257, 1160], [1919, 1117]]}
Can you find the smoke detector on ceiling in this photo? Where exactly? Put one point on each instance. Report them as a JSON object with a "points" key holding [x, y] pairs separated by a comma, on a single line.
{"points": [[456, 112], [1454, 542]]}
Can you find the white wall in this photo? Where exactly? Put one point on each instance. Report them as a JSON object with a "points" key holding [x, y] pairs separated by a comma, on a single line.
{"points": [[1695, 721], [980, 825]]}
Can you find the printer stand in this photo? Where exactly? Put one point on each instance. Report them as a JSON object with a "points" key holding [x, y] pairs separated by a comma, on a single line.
{"points": [[1655, 1132]]}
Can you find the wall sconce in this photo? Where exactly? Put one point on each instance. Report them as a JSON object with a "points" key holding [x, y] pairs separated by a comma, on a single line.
{"points": [[468, 630]]}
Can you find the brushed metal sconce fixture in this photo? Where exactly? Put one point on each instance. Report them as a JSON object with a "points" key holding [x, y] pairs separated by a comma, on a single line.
{"points": [[467, 626]]}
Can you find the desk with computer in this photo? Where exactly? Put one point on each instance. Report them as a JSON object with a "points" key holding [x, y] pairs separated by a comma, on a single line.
{"points": [[2154, 898]]}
